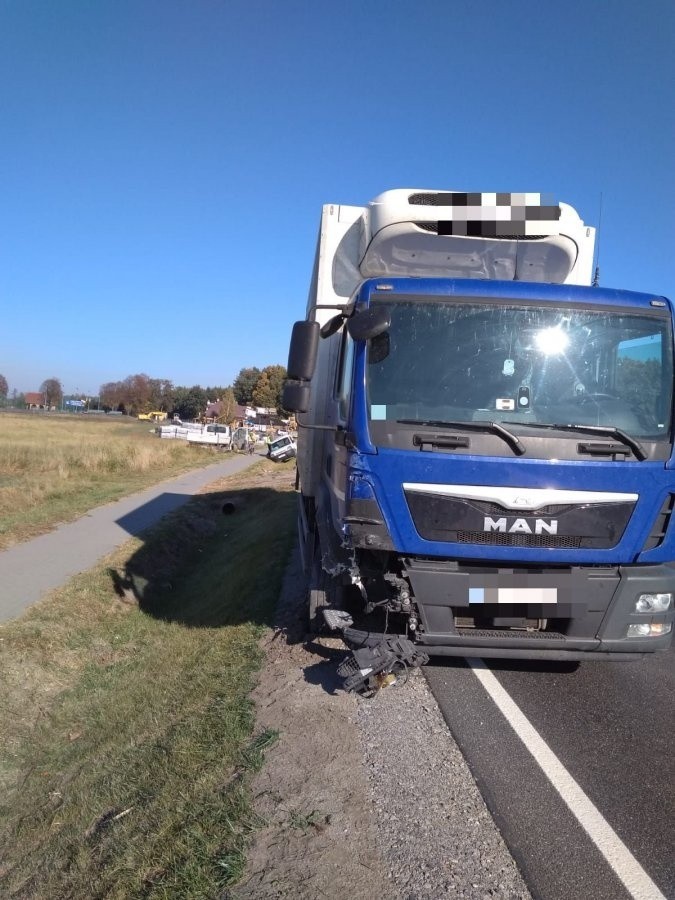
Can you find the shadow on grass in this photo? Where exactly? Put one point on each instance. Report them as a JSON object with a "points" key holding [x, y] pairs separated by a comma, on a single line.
{"points": [[217, 561], [143, 517]]}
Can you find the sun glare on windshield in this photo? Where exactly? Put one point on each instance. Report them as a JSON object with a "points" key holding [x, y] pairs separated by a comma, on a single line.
{"points": [[552, 341]]}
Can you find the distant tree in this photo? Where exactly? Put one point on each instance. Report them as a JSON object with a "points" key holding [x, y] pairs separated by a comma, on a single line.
{"points": [[111, 394], [277, 376], [263, 392], [228, 405], [189, 403], [137, 393], [52, 391], [244, 385], [161, 394], [4, 388], [217, 391], [268, 388]]}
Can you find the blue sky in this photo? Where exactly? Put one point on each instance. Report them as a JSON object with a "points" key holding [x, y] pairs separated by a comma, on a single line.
{"points": [[163, 162]]}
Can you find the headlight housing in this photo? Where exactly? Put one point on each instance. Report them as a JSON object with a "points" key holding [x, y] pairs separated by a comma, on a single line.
{"points": [[653, 603], [644, 629]]}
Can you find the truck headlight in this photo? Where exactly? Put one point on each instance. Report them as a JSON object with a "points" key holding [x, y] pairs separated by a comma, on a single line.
{"points": [[644, 629], [653, 603]]}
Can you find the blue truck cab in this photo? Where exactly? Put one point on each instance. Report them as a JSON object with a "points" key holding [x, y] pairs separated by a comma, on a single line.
{"points": [[485, 465]]}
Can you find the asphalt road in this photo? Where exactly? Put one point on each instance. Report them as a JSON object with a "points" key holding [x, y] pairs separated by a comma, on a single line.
{"points": [[612, 727], [30, 570]]}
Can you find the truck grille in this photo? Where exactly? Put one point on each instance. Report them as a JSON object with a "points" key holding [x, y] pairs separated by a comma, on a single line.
{"points": [[584, 526], [499, 539], [506, 633], [425, 200]]}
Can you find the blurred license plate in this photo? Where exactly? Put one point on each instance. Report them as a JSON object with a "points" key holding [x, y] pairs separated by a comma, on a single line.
{"points": [[513, 595]]}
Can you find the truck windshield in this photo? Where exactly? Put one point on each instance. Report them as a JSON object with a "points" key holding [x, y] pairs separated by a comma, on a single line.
{"points": [[519, 363]]}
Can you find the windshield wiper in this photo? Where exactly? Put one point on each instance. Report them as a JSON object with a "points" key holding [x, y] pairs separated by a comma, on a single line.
{"points": [[485, 427], [609, 430]]}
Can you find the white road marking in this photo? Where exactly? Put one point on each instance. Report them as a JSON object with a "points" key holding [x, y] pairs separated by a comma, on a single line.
{"points": [[636, 881]]}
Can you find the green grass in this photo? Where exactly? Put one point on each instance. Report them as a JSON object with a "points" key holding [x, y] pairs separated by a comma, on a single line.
{"points": [[130, 739], [56, 467]]}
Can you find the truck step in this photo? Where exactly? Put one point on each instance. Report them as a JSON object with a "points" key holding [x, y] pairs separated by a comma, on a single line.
{"points": [[337, 619]]}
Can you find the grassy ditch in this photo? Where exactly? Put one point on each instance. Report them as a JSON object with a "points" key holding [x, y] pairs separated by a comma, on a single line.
{"points": [[54, 468], [128, 738]]}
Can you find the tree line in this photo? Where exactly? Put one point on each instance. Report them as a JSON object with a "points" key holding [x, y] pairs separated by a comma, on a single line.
{"points": [[50, 392], [140, 393]]}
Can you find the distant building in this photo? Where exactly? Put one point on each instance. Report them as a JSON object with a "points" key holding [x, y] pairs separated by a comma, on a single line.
{"points": [[215, 409], [243, 415], [34, 400]]}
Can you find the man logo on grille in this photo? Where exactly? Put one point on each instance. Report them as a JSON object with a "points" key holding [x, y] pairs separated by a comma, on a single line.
{"points": [[520, 526]]}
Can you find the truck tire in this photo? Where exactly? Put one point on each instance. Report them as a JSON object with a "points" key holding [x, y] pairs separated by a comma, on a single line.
{"points": [[317, 598], [323, 592]]}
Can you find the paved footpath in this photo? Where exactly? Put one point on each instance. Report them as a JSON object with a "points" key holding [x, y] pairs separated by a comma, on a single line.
{"points": [[29, 570]]}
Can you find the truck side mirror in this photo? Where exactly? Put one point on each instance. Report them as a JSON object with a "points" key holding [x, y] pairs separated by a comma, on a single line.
{"points": [[301, 364], [369, 323], [295, 396], [302, 352], [329, 328]]}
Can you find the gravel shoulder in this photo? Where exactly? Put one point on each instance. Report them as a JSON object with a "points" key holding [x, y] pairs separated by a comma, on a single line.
{"points": [[362, 798]]}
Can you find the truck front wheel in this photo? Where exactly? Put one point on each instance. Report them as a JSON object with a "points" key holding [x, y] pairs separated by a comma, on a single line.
{"points": [[323, 592]]}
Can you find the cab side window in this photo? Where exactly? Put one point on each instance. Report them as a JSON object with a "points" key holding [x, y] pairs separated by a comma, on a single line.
{"points": [[344, 378]]}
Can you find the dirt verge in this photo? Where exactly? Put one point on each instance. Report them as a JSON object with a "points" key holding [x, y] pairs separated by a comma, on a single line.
{"points": [[340, 795], [312, 793]]}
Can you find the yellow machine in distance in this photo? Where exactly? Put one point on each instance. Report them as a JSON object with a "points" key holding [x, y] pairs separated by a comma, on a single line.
{"points": [[154, 416]]}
